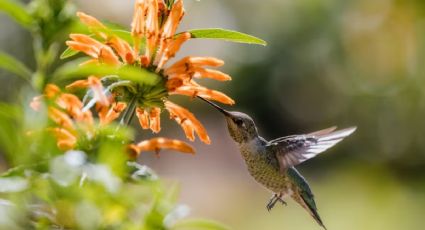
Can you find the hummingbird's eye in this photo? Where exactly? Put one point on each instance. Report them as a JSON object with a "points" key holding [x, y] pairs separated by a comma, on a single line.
{"points": [[238, 122]]}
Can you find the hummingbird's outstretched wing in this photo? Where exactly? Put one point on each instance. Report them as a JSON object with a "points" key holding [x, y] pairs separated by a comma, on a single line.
{"points": [[295, 149]]}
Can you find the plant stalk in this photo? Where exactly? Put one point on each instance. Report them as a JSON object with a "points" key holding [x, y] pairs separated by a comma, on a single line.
{"points": [[129, 112]]}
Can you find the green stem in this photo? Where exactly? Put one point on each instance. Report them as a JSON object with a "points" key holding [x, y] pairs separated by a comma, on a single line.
{"points": [[129, 112]]}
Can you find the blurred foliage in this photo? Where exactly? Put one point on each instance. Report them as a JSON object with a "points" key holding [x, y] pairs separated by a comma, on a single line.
{"points": [[49, 22], [341, 63], [95, 190]]}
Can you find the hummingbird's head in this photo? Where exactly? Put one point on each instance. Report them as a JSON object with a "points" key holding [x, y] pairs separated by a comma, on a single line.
{"points": [[241, 126]]}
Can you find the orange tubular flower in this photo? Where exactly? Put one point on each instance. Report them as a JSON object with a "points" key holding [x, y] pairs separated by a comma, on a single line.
{"points": [[156, 23], [102, 53], [143, 118], [49, 92], [61, 118], [188, 122], [66, 140], [154, 120], [91, 22], [107, 115], [159, 143], [193, 91], [95, 85], [149, 119], [69, 115]]}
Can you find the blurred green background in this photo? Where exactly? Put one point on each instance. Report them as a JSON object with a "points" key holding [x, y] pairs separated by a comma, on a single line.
{"points": [[328, 62]]}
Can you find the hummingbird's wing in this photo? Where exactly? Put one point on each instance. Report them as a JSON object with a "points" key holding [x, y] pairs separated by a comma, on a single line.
{"points": [[295, 149]]}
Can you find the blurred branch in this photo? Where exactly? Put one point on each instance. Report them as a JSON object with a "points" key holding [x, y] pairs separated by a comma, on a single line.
{"points": [[13, 65], [17, 12]]}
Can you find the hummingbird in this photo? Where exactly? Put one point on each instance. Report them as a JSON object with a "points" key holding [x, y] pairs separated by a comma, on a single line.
{"points": [[272, 163]]}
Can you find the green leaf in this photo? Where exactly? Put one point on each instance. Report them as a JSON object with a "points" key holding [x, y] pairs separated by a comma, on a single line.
{"points": [[20, 169], [73, 71], [227, 35], [12, 65], [16, 11], [68, 53], [123, 34], [198, 224]]}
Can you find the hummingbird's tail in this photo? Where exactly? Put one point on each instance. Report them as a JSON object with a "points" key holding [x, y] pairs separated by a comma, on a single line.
{"points": [[313, 211], [306, 200]]}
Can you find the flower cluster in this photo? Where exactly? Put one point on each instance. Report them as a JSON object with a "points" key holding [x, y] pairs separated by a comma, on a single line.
{"points": [[74, 125], [154, 42]]}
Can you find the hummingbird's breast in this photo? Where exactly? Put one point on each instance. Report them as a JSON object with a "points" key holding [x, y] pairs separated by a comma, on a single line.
{"points": [[264, 168]]}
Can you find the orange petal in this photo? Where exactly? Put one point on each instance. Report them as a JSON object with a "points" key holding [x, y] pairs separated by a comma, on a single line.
{"points": [[173, 20], [71, 104], [199, 72], [87, 40], [107, 115], [175, 44], [155, 119], [61, 118], [87, 118], [187, 62], [144, 60], [95, 25], [78, 84], [138, 23], [212, 74], [193, 91], [205, 61], [168, 50], [143, 118], [63, 135], [122, 48], [162, 7], [188, 130], [159, 143], [107, 55], [173, 84], [167, 32], [97, 88], [87, 49], [51, 91], [65, 145], [85, 44], [188, 121], [152, 28], [90, 21], [186, 126]]}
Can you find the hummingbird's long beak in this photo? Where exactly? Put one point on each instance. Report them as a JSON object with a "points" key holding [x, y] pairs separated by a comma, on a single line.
{"points": [[223, 111]]}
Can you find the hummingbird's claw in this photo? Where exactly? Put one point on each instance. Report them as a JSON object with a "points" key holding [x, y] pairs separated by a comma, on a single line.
{"points": [[282, 201], [270, 205], [275, 198]]}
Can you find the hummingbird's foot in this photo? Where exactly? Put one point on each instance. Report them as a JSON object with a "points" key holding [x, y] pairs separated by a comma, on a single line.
{"points": [[275, 198], [282, 201], [271, 204]]}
